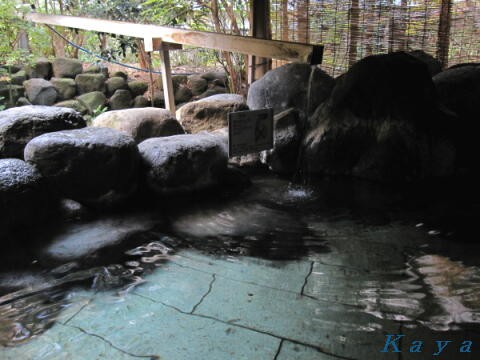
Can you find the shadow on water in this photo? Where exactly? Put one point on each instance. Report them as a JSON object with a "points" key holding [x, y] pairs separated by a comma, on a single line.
{"points": [[271, 220]]}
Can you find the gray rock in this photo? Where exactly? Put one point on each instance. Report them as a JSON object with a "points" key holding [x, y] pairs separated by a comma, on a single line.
{"points": [[212, 76], [183, 94], [121, 74], [141, 102], [210, 113], [183, 163], [23, 101], [382, 122], [283, 158], [19, 125], [197, 84], [122, 99], [115, 83], [142, 123], [93, 100], [97, 69], [40, 92], [90, 82], [41, 68], [66, 88], [288, 86], [67, 68], [177, 80], [216, 90], [94, 166], [18, 78], [24, 199], [137, 87], [159, 99], [76, 105]]}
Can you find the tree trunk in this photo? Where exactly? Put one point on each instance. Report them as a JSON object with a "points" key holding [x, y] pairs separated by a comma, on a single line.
{"points": [[443, 43], [354, 32]]}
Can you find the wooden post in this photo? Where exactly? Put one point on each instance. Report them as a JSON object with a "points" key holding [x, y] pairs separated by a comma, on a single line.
{"points": [[443, 43], [167, 78], [261, 29]]}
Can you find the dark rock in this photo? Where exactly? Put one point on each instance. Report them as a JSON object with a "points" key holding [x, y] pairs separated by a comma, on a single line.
{"points": [[216, 90], [73, 210], [459, 90], [121, 74], [24, 199], [183, 94], [11, 94], [40, 92], [183, 163], [141, 123], [159, 99], [283, 158], [90, 82], [141, 102], [18, 78], [122, 99], [93, 100], [177, 80], [115, 83], [197, 84], [67, 68], [137, 87], [210, 113], [94, 166], [19, 125], [434, 66], [66, 88], [97, 69], [42, 68], [76, 105], [23, 101], [212, 76], [382, 122], [289, 86]]}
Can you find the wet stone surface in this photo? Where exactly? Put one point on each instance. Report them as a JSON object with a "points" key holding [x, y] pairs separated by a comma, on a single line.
{"points": [[281, 272]]}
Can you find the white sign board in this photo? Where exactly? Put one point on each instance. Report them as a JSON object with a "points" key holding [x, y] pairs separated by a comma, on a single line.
{"points": [[250, 131]]}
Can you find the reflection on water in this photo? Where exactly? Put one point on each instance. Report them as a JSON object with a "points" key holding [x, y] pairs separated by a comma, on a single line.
{"points": [[273, 220]]}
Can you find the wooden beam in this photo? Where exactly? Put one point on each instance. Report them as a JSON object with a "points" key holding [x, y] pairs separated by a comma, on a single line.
{"points": [[443, 42], [282, 50], [260, 29], [167, 82]]}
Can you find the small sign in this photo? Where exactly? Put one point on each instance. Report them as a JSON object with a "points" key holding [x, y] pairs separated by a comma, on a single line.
{"points": [[250, 131]]}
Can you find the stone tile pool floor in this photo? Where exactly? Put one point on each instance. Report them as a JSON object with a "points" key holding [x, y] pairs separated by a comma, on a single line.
{"points": [[353, 284]]}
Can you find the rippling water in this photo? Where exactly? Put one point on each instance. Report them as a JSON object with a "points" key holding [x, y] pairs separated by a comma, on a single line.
{"points": [[366, 254]]}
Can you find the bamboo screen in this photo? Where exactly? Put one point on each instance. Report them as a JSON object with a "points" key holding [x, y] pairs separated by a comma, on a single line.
{"points": [[353, 29]]}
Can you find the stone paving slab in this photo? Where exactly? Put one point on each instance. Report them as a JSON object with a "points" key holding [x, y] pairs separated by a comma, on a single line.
{"points": [[138, 325], [333, 328], [283, 275], [64, 343]]}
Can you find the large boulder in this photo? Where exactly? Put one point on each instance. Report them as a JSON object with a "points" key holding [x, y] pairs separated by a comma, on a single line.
{"points": [[41, 68], [19, 125], [183, 163], [183, 94], [66, 88], [76, 105], [141, 101], [210, 113], [90, 82], [382, 122], [197, 84], [137, 87], [67, 68], [434, 66], [40, 92], [93, 100], [294, 85], [115, 83], [122, 99], [94, 166], [18, 78], [24, 199], [141, 123], [459, 90]]}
